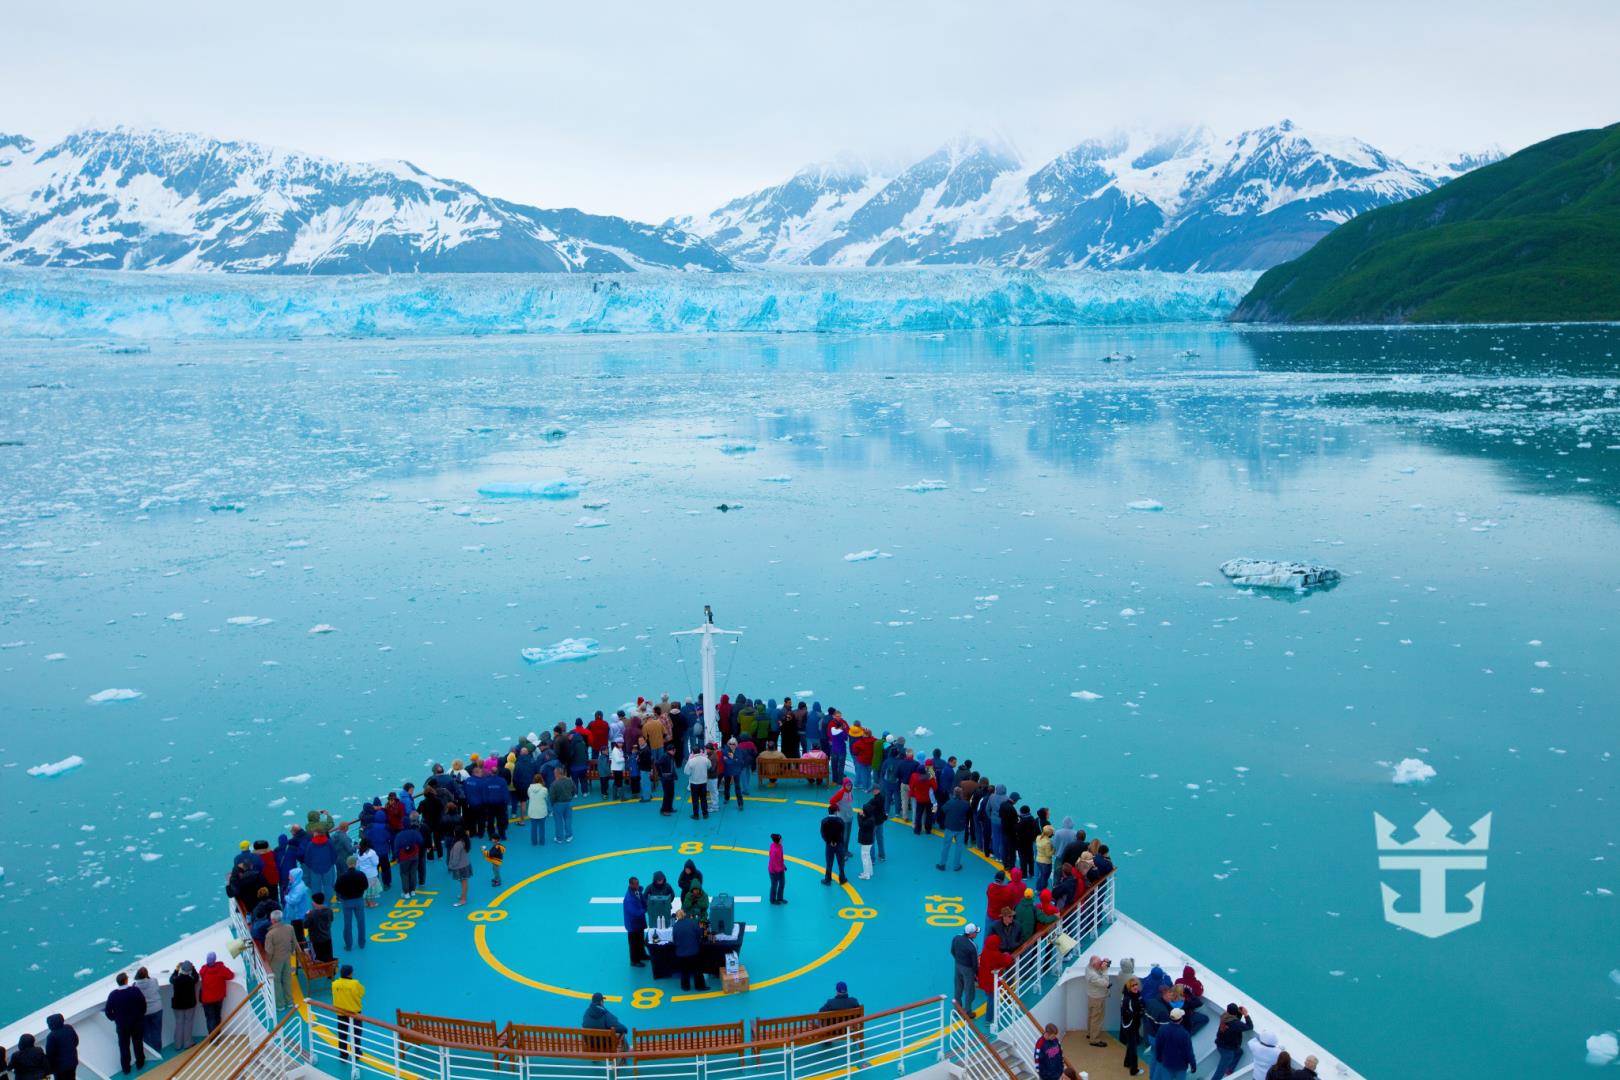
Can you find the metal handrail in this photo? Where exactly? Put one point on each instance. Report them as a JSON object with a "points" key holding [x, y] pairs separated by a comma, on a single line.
{"points": [[820, 1034], [266, 1041], [979, 1046]]}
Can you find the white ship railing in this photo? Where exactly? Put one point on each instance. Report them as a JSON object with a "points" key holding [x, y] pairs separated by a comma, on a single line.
{"points": [[252, 1043], [971, 1052], [883, 1044]]}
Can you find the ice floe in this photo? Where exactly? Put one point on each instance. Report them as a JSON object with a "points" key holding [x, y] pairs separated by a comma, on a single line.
{"points": [[520, 489], [1149, 505], [1085, 695], [249, 620], [866, 556], [323, 628], [113, 694], [563, 651], [1275, 574], [57, 768], [925, 485], [1602, 1048], [591, 523], [296, 778], [1412, 771]]}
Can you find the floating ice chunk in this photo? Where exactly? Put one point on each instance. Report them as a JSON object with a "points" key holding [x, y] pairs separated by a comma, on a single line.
{"points": [[1272, 574], [273, 803], [83, 973], [249, 620], [294, 545], [113, 694], [1602, 1049], [922, 732], [462, 511], [941, 424], [600, 504], [565, 650], [150, 856], [520, 489], [296, 778], [780, 479], [925, 485], [1413, 771], [1150, 505], [57, 768], [323, 628], [1085, 695], [736, 449], [591, 523], [1128, 613], [867, 555], [488, 521], [198, 815], [176, 616], [12, 644], [56, 656]]}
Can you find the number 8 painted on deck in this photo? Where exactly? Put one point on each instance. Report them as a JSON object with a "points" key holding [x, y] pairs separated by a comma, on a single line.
{"points": [[648, 997], [857, 913], [486, 915], [692, 847]]}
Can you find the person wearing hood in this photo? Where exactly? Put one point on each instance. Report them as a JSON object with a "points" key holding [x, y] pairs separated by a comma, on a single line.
{"points": [[61, 1047], [537, 807], [1063, 836], [1173, 1049], [183, 983], [1193, 990], [1024, 915], [837, 745], [658, 887], [1264, 1051], [1098, 984], [1028, 831], [1130, 1020], [635, 922], [215, 978], [842, 803], [992, 811], [409, 847], [126, 1008], [1229, 1039], [695, 902], [992, 958], [296, 905], [1008, 851], [318, 926], [1046, 911], [1156, 980], [598, 1018], [29, 1062], [863, 747]]}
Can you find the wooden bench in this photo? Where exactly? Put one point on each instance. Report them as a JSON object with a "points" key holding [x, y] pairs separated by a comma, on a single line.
{"points": [[773, 769], [790, 1028], [539, 1038], [697, 1039], [432, 1030], [315, 970]]}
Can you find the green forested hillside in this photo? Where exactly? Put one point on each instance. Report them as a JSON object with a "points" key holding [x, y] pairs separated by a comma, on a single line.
{"points": [[1534, 237]]}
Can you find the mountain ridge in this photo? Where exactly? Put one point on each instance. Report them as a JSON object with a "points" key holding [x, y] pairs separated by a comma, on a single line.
{"points": [[138, 199], [1181, 200]]}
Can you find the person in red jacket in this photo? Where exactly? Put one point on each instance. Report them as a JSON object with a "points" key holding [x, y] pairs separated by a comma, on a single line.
{"points": [[862, 744], [212, 987], [267, 860], [992, 958], [923, 788], [598, 734]]}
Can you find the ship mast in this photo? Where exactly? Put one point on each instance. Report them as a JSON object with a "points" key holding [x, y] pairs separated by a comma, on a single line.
{"points": [[708, 631]]}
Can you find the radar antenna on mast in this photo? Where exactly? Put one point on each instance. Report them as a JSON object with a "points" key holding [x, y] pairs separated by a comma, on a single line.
{"points": [[708, 631]]}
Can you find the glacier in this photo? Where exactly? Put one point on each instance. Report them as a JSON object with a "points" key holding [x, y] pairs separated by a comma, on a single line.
{"points": [[93, 304]]}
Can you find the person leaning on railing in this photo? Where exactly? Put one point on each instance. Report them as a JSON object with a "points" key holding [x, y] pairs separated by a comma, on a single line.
{"points": [[348, 997]]}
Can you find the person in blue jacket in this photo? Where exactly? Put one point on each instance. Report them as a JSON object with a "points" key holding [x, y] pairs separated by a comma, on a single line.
{"points": [[126, 1008], [61, 1047], [297, 903], [1172, 1049], [635, 922], [382, 842], [320, 864], [689, 952]]}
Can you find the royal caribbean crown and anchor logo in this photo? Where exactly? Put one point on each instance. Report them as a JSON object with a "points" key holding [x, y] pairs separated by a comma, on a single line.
{"points": [[1433, 855]]}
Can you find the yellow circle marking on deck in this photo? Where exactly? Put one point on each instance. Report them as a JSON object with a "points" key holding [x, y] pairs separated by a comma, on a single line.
{"points": [[480, 939]]}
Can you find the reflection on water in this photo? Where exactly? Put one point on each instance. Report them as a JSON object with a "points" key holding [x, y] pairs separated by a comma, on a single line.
{"points": [[1236, 748]]}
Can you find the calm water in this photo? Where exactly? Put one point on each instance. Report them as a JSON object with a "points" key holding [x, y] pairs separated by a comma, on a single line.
{"points": [[1467, 483]]}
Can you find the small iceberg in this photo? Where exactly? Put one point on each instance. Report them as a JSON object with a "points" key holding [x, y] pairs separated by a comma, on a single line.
{"points": [[1602, 1049], [737, 448], [1117, 358], [563, 651], [518, 489], [113, 694], [780, 479], [1151, 506], [1413, 771], [323, 628], [249, 620], [1085, 695], [591, 523], [1273, 574], [942, 424], [297, 778], [57, 768], [925, 485], [867, 555]]}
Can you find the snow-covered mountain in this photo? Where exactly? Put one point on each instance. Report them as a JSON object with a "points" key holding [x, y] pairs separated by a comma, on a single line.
{"points": [[1187, 201], [150, 200]]}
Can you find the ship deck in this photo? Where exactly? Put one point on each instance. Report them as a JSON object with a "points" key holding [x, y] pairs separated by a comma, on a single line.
{"points": [[533, 950]]}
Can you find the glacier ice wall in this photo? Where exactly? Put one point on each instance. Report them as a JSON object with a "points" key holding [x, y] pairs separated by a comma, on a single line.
{"points": [[102, 304]]}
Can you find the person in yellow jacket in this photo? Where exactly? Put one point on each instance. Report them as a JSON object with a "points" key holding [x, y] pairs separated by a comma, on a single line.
{"points": [[348, 996], [495, 854]]}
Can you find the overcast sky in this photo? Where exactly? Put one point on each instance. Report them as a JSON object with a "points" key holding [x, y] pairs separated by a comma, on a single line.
{"points": [[657, 108]]}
